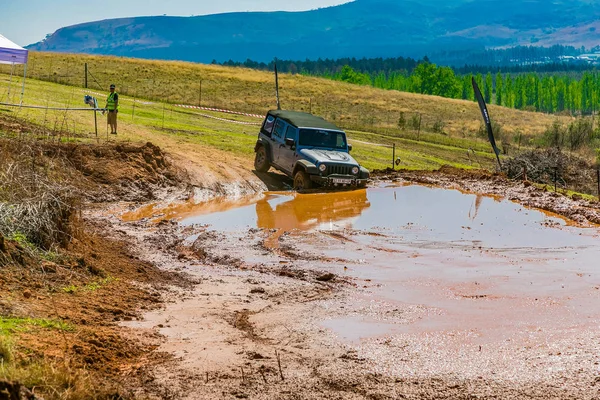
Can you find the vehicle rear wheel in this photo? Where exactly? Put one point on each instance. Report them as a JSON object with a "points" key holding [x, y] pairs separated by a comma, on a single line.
{"points": [[261, 162], [302, 181]]}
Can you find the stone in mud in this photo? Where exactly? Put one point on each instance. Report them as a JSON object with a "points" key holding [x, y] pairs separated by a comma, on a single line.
{"points": [[326, 277], [15, 391], [258, 290], [49, 267]]}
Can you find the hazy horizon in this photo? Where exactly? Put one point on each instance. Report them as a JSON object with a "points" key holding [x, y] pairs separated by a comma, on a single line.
{"points": [[28, 25]]}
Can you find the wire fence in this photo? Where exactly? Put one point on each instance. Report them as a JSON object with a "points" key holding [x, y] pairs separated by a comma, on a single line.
{"points": [[67, 117]]}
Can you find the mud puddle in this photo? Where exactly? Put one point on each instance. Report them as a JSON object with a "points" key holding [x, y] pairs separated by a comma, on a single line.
{"points": [[462, 256], [442, 282]]}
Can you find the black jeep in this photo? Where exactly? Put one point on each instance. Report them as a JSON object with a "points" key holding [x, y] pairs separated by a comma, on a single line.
{"points": [[308, 149]]}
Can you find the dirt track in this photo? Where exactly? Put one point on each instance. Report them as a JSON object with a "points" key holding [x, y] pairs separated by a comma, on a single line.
{"points": [[260, 313], [255, 327]]}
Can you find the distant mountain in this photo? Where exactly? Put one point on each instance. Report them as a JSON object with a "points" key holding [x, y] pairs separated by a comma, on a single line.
{"points": [[362, 28]]}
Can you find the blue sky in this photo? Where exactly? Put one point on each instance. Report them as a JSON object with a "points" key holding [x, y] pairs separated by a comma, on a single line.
{"points": [[26, 22]]}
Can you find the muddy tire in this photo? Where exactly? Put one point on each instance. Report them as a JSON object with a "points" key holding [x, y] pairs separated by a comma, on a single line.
{"points": [[261, 161], [302, 181]]}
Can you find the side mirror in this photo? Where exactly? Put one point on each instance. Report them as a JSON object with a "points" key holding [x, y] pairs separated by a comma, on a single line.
{"points": [[290, 142], [349, 147]]}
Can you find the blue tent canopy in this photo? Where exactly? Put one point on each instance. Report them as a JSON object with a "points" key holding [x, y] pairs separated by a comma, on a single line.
{"points": [[13, 54]]}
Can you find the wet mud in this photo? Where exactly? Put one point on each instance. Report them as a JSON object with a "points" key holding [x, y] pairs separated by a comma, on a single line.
{"points": [[397, 291]]}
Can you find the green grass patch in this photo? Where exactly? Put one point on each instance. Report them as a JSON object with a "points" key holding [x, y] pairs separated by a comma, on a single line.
{"points": [[11, 325], [90, 287], [153, 117]]}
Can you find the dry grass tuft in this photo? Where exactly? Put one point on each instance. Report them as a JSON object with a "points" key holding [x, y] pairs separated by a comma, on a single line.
{"points": [[34, 207]]}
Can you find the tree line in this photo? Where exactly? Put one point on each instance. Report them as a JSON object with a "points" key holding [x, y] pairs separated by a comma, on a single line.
{"points": [[328, 66], [518, 59], [547, 87]]}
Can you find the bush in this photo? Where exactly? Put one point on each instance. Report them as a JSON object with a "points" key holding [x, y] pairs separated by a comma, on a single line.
{"points": [[438, 126], [401, 121], [415, 121], [496, 129], [34, 208], [580, 133], [554, 135]]}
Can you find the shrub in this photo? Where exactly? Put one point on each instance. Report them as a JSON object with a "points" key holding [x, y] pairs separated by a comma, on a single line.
{"points": [[580, 133], [554, 135], [496, 129], [34, 208], [401, 121], [438, 126], [415, 121]]}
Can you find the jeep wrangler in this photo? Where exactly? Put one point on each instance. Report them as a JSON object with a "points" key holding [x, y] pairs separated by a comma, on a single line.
{"points": [[308, 149]]}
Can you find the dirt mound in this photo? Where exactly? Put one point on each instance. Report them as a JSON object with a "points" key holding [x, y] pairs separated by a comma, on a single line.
{"points": [[67, 311], [60, 305], [12, 253], [123, 172], [553, 165]]}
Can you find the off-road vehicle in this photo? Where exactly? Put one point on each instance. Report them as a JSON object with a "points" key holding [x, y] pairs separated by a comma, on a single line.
{"points": [[308, 149]]}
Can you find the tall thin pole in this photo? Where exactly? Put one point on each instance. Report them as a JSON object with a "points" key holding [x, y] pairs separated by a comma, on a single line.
{"points": [[12, 71], [86, 75], [277, 87], [394, 156], [96, 123], [23, 87], [598, 183], [200, 95]]}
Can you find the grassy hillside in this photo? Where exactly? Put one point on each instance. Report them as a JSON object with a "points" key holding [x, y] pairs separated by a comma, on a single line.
{"points": [[448, 127]]}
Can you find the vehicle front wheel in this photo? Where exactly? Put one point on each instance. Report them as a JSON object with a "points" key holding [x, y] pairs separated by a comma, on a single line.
{"points": [[302, 181], [261, 162]]}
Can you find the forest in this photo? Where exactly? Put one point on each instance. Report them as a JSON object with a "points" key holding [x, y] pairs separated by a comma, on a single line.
{"points": [[525, 78]]}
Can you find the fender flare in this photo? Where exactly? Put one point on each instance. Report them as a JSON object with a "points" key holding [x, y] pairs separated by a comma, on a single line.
{"points": [[364, 173], [261, 142], [307, 166]]}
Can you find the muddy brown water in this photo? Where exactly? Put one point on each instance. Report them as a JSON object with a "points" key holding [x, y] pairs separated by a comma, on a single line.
{"points": [[433, 262]]}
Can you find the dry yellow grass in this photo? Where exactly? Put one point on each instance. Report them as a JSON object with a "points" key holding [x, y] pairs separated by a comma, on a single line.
{"points": [[351, 106]]}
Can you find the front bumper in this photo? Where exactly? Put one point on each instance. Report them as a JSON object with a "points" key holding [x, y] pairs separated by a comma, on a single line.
{"points": [[338, 180]]}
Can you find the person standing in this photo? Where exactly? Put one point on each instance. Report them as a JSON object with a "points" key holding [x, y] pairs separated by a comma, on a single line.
{"points": [[112, 106]]}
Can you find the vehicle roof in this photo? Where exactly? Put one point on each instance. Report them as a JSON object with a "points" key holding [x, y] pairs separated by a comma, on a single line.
{"points": [[303, 120]]}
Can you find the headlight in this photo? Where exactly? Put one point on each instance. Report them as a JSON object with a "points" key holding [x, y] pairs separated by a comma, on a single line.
{"points": [[322, 167], [355, 170]]}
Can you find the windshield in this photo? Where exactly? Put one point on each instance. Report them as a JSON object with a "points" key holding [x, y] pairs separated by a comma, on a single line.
{"points": [[322, 138]]}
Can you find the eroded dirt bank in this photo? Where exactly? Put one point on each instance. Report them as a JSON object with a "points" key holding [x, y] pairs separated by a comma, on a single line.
{"points": [[62, 299]]}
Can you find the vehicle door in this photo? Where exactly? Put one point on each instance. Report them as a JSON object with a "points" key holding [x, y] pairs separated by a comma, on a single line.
{"points": [[266, 133], [287, 154], [278, 140]]}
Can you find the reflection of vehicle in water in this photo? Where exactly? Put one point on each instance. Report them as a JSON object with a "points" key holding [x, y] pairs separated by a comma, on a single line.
{"points": [[310, 211]]}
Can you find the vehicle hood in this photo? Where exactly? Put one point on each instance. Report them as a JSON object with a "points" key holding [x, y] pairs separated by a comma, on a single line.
{"points": [[327, 156]]}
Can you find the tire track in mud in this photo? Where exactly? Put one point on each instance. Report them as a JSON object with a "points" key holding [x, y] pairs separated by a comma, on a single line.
{"points": [[225, 332]]}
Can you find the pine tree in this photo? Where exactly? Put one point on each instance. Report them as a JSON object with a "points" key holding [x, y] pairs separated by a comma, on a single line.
{"points": [[499, 89], [487, 88]]}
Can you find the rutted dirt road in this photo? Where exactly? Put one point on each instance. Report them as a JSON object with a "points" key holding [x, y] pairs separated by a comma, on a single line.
{"points": [[298, 298], [405, 290]]}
